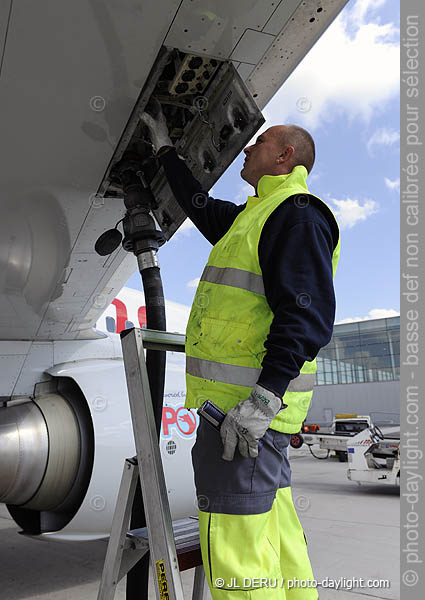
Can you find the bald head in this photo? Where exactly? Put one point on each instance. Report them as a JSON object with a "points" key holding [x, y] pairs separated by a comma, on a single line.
{"points": [[277, 151], [302, 142]]}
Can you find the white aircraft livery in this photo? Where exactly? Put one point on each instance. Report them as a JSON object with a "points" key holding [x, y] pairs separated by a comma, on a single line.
{"points": [[74, 79]]}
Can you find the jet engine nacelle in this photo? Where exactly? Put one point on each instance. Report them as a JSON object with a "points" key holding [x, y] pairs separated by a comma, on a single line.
{"points": [[63, 451]]}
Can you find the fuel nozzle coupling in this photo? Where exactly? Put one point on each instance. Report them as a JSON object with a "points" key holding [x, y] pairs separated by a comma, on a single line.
{"points": [[140, 233]]}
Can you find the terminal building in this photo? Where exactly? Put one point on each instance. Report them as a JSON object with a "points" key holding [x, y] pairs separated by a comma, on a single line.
{"points": [[358, 372]]}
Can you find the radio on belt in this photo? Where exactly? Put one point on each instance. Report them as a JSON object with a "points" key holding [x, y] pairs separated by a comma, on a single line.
{"points": [[215, 416]]}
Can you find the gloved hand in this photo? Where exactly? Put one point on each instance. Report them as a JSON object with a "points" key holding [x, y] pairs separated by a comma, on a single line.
{"points": [[246, 423], [157, 127]]}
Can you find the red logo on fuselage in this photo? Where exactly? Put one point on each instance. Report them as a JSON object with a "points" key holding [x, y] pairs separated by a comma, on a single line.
{"points": [[122, 316], [180, 419]]}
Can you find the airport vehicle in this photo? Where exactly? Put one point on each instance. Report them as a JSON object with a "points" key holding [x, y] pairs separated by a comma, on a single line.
{"points": [[343, 427], [297, 439], [75, 78], [374, 456]]}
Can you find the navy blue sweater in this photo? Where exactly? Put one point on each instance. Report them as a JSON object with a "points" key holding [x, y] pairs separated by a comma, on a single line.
{"points": [[295, 252]]}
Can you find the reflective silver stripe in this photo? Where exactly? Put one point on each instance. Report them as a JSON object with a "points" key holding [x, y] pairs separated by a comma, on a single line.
{"points": [[222, 372], [235, 278], [237, 375], [303, 383]]}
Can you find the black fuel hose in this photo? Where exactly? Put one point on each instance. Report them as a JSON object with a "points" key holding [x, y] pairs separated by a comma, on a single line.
{"points": [[138, 576], [155, 319]]}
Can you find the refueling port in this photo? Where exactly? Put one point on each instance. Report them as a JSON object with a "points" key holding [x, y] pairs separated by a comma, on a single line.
{"points": [[195, 62], [188, 75], [181, 88]]}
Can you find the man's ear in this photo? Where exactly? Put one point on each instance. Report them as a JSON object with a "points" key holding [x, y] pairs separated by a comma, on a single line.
{"points": [[285, 155]]}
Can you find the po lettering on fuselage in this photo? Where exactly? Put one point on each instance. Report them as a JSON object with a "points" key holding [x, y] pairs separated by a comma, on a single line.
{"points": [[122, 321], [178, 419]]}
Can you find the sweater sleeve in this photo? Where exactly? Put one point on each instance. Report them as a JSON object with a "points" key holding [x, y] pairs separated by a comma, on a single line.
{"points": [[296, 260], [211, 216]]}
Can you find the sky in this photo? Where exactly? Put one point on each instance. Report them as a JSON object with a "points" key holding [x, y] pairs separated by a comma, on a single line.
{"points": [[346, 93]]}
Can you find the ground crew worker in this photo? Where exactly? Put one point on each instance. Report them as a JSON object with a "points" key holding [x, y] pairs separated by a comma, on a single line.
{"points": [[264, 307]]}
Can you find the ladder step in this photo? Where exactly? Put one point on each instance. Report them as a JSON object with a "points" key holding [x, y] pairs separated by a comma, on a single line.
{"points": [[173, 547], [186, 536]]}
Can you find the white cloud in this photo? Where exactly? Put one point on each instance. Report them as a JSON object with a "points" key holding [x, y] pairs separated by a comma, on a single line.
{"points": [[382, 313], [349, 212], [352, 70], [193, 283], [392, 184], [314, 177], [383, 137], [374, 313], [244, 190], [361, 7], [185, 228]]}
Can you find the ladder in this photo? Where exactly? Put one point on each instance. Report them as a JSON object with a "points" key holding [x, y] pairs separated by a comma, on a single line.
{"points": [[173, 546]]}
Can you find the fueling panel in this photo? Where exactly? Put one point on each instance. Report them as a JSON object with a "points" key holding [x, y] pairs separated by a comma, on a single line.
{"points": [[210, 115]]}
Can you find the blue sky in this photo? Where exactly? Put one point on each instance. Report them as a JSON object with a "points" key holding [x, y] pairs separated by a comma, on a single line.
{"points": [[350, 79]]}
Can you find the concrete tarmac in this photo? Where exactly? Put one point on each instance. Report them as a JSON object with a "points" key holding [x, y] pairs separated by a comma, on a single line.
{"points": [[352, 531]]}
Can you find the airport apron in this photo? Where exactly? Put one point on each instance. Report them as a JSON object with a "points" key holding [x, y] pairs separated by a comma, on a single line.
{"points": [[250, 532]]}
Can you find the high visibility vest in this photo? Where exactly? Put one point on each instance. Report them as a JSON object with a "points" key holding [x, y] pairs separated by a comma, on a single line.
{"points": [[230, 317]]}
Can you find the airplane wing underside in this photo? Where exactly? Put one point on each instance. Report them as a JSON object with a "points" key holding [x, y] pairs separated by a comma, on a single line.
{"points": [[71, 75]]}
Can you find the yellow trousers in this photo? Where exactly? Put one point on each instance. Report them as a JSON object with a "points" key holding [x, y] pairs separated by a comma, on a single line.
{"points": [[257, 557]]}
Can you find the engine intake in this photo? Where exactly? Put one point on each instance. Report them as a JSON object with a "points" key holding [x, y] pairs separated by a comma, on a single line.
{"points": [[40, 453], [46, 450]]}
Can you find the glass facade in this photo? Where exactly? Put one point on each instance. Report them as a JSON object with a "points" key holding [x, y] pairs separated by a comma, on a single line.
{"points": [[361, 351]]}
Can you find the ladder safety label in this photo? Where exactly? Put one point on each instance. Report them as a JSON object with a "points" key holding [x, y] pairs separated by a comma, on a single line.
{"points": [[161, 574]]}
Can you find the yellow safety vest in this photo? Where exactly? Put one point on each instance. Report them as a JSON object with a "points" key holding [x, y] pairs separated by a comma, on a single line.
{"points": [[230, 317]]}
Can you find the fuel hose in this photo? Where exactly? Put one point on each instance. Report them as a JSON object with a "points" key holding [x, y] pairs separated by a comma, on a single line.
{"points": [[138, 576]]}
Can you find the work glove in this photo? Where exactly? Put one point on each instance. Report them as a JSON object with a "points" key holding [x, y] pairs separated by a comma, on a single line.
{"points": [[157, 128], [246, 423]]}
